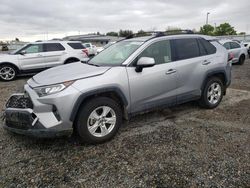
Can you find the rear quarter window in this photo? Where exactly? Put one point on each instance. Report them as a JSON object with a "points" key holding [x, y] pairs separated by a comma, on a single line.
{"points": [[76, 46], [209, 48]]}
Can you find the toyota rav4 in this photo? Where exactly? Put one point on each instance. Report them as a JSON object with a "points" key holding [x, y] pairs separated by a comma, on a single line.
{"points": [[130, 77]]}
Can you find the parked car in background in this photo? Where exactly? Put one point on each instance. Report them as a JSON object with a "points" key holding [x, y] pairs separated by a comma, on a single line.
{"points": [[130, 77], [92, 50], [239, 51], [99, 49], [38, 56], [247, 45]]}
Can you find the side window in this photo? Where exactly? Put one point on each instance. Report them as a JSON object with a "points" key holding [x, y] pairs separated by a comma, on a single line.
{"points": [[210, 49], [203, 51], [51, 47], [34, 48], [87, 45], [160, 51], [227, 45], [186, 48], [234, 45], [76, 46]]}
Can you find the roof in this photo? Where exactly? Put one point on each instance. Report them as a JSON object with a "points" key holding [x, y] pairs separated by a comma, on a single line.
{"points": [[92, 37], [53, 41]]}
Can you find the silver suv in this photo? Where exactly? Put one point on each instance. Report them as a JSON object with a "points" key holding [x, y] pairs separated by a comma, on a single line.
{"points": [[38, 56], [129, 77]]}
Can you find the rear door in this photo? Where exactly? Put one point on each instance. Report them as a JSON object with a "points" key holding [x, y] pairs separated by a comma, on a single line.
{"points": [[192, 62], [33, 58], [53, 54], [154, 86]]}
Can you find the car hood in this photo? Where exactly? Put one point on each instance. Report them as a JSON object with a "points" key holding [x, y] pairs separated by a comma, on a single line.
{"points": [[64, 73], [7, 57]]}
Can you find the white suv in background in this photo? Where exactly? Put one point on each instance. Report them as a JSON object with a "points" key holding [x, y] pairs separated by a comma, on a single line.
{"points": [[37, 56], [92, 49], [239, 51]]}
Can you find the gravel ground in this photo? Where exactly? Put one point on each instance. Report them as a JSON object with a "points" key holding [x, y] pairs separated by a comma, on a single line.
{"points": [[184, 146]]}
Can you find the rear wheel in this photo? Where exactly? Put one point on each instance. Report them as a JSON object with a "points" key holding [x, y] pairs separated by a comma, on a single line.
{"points": [[212, 93], [7, 72], [98, 120], [241, 60]]}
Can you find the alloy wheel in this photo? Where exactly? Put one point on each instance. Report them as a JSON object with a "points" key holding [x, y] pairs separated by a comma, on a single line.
{"points": [[7, 73], [101, 121], [214, 93]]}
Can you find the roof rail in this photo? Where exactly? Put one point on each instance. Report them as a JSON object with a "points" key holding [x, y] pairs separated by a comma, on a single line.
{"points": [[160, 33]]}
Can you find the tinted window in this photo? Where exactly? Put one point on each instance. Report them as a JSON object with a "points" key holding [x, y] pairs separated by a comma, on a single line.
{"points": [[234, 45], [160, 51], [87, 45], [186, 48], [210, 49], [203, 51], [34, 48], [76, 46], [227, 45], [51, 47]]}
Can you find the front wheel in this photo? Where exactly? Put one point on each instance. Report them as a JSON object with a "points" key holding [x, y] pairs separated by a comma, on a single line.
{"points": [[98, 120], [7, 72], [212, 93]]}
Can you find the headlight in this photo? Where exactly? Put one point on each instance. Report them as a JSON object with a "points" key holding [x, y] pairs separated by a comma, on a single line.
{"points": [[52, 89]]}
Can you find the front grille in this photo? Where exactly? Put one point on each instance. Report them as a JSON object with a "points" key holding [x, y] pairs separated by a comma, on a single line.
{"points": [[19, 101]]}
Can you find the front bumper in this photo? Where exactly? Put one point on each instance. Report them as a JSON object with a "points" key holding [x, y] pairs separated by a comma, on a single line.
{"points": [[21, 118]]}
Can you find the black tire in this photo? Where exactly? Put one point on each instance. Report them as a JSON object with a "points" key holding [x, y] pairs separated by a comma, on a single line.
{"points": [[6, 78], [241, 60], [204, 100], [81, 125], [71, 60]]}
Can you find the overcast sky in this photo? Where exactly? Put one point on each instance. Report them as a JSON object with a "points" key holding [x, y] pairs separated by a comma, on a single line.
{"points": [[30, 20]]}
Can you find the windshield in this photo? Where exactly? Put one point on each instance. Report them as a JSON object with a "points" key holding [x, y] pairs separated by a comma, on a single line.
{"points": [[116, 54], [19, 49]]}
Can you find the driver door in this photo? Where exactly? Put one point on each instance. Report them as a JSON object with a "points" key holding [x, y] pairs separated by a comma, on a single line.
{"points": [[154, 86], [32, 58]]}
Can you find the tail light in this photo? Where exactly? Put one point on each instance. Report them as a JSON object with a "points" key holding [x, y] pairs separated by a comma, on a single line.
{"points": [[230, 56], [85, 51]]}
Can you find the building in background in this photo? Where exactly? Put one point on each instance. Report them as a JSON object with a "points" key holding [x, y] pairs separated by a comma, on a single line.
{"points": [[97, 40]]}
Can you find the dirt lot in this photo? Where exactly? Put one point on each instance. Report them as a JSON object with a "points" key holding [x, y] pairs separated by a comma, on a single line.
{"points": [[183, 146]]}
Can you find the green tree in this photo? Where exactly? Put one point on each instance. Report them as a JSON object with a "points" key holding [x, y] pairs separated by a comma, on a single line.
{"points": [[225, 29], [112, 33], [207, 30], [242, 33], [125, 33], [142, 33]]}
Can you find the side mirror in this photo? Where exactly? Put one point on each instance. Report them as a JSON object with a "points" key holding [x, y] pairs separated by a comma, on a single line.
{"points": [[144, 62], [23, 52]]}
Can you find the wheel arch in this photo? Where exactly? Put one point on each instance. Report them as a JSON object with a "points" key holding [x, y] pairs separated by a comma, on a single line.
{"points": [[111, 92], [12, 64], [69, 58], [216, 73]]}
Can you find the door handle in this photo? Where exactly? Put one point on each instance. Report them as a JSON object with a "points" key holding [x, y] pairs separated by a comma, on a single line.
{"points": [[39, 55], [171, 71], [206, 62]]}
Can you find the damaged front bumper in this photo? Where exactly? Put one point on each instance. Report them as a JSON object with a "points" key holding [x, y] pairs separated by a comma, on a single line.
{"points": [[19, 117]]}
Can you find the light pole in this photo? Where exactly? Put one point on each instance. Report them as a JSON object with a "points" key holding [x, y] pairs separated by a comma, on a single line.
{"points": [[207, 18]]}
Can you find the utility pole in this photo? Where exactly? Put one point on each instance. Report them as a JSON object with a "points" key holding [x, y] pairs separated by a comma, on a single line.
{"points": [[207, 18]]}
